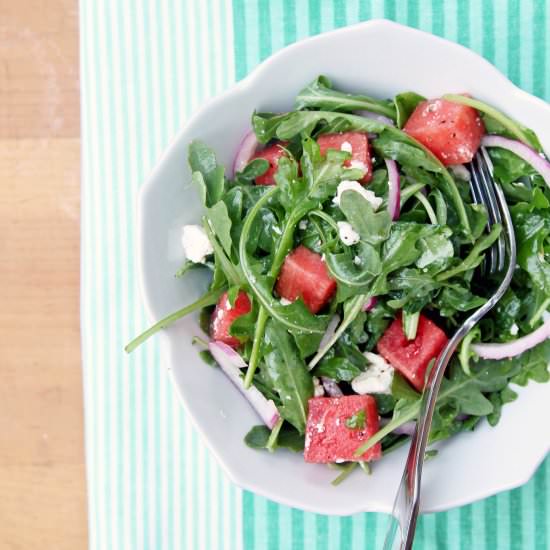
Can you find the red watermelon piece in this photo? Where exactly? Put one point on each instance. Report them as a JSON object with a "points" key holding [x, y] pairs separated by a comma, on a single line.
{"points": [[452, 132], [357, 143], [411, 357], [224, 315], [272, 154], [304, 275], [329, 439]]}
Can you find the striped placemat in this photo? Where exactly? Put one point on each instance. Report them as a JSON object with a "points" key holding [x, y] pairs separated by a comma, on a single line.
{"points": [[146, 65]]}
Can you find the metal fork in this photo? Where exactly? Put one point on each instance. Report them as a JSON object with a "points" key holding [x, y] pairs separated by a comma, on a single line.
{"points": [[407, 501]]}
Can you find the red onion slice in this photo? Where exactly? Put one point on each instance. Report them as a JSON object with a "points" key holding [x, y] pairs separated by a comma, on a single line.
{"points": [[246, 151], [329, 332], [530, 156], [370, 303], [394, 189], [405, 429], [375, 116], [331, 387], [230, 365], [516, 347]]}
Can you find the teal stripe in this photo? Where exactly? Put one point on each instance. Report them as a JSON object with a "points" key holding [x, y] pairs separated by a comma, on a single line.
{"points": [[272, 513], [239, 33], [248, 520], [365, 10], [542, 496], [321, 530], [264, 29], [488, 45], [297, 529], [412, 13], [389, 9], [441, 530], [438, 17], [541, 78], [314, 17], [516, 522], [465, 519], [514, 40], [346, 532], [463, 15], [490, 507], [289, 20], [339, 13]]}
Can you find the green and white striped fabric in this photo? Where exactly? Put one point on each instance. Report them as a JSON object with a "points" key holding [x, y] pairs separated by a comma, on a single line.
{"points": [[146, 65]]}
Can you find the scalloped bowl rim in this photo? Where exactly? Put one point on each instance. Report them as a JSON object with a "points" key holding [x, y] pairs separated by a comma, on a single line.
{"points": [[239, 477]]}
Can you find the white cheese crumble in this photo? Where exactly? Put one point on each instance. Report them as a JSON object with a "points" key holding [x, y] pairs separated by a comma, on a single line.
{"points": [[318, 390], [514, 329], [346, 146], [357, 260], [348, 185], [195, 243], [285, 302], [302, 225], [377, 378], [347, 234]]}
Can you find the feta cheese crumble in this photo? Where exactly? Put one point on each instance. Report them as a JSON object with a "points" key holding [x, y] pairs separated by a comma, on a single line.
{"points": [[348, 185], [285, 302], [347, 234], [514, 329], [377, 378], [318, 390], [346, 146], [196, 245], [303, 225]]}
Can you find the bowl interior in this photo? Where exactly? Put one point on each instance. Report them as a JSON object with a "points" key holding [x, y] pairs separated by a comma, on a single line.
{"points": [[381, 58]]}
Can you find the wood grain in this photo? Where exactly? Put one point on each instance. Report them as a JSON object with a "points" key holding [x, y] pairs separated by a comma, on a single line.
{"points": [[42, 473]]}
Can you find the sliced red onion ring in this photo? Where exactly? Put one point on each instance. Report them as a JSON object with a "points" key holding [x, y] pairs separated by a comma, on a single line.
{"points": [[539, 163], [331, 387], [370, 303], [246, 151], [516, 347], [394, 189], [405, 429], [329, 332], [230, 365], [375, 116]]}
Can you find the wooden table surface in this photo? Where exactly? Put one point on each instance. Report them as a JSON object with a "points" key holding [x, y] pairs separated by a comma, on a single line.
{"points": [[42, 472]]}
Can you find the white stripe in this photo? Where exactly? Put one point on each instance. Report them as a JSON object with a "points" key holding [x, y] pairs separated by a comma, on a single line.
{"points": [[178, 522], [192, 74]]}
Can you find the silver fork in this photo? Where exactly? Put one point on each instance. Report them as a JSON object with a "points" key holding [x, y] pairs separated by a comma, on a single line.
{"points": [[407, 501]]}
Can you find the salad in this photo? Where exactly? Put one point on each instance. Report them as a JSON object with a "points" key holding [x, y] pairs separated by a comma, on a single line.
{"points": [[343, 248]]}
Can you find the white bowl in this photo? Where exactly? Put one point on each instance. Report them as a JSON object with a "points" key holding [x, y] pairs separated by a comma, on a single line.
{"points": [[380, 58]]}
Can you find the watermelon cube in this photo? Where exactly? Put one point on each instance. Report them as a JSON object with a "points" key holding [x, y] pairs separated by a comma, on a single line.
{"points": [[272, 154], [337, 426], [304, 275], [356, 143], [452, 132], [224, 315], [412, 357]]}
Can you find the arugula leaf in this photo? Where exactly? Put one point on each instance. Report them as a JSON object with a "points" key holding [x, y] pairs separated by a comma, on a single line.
{"points": [[288, 438], [202, 159], [188, 265], [373, 227], [475, 257], [220, 222], [320, 95], [405, 104], [338, 369], [288, 375], [356, 421], [498, 121], [265, 125]]}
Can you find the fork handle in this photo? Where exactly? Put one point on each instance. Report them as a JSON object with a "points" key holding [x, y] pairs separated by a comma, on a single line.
{"points": [[407, 500]]}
